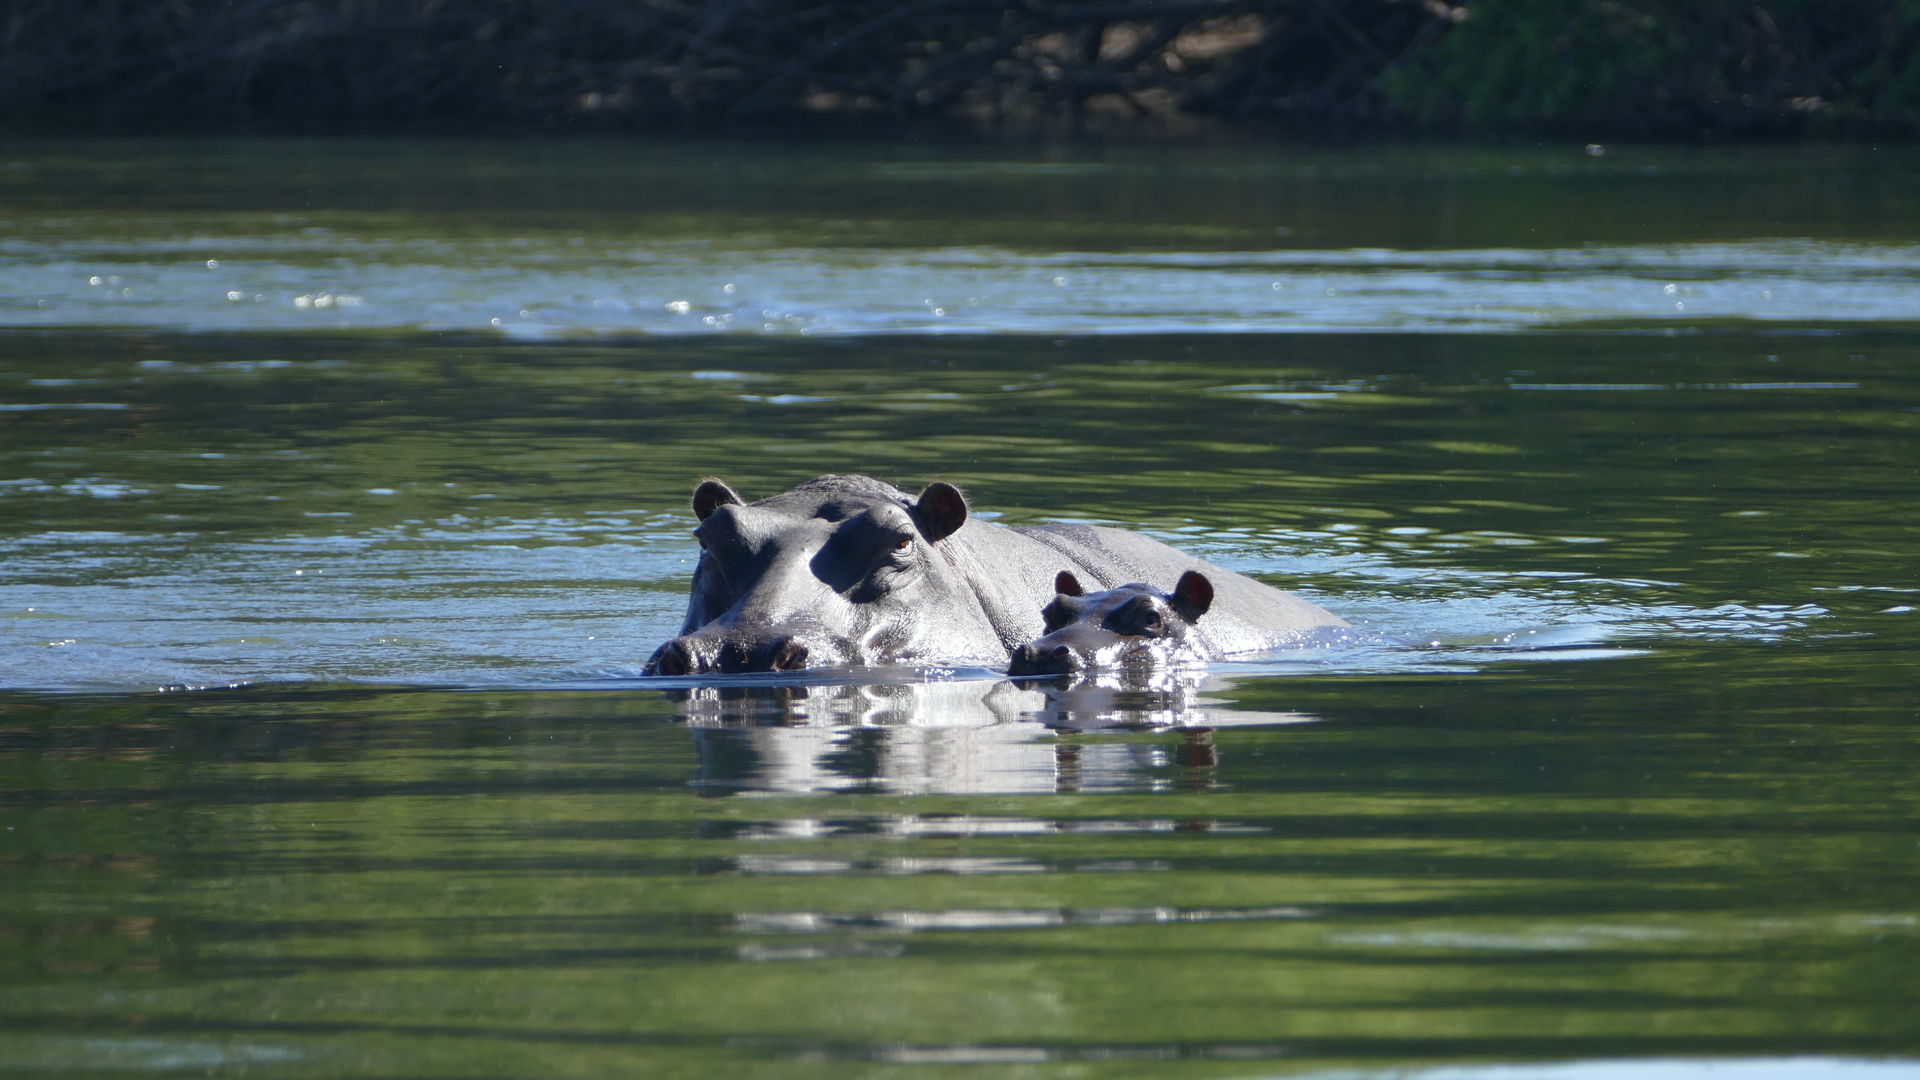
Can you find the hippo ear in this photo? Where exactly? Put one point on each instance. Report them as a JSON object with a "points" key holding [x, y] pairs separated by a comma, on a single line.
{"points": [[1192, 595], [1066, 584], [940, 511], [710, 496]]}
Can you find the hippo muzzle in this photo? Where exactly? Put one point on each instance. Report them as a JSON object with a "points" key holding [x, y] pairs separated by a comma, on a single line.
{"points": [[725, 654], [1035, 659], [1077, 648]]}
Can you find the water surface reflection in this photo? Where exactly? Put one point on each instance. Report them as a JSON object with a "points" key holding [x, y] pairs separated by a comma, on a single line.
{"points": [[957, 736]]}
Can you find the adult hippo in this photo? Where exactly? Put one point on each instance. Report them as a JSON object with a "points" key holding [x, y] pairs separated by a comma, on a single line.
{"points": [[847, 570]]}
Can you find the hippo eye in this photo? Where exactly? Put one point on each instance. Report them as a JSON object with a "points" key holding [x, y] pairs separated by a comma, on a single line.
{"points": [[1139, 618], [903, 543]]}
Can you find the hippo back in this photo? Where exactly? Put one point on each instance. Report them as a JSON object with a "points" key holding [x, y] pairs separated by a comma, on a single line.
{"points": [[1247, 615]]}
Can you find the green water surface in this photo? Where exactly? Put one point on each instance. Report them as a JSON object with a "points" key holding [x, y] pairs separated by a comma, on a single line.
{"points": [[324, 749]]}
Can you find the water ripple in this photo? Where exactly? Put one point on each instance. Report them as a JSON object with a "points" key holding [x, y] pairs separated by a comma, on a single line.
{"points": [[557, 288]]}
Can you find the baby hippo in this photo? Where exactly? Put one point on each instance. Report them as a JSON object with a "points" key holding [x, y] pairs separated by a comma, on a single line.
{"points": [[1131, 626]]}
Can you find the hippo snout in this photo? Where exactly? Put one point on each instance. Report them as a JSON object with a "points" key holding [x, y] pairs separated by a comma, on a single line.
{"points": [[1041, 658], [694, 654]]}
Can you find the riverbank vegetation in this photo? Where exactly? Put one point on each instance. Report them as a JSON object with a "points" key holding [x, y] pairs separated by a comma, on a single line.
{"points": [[1581, 68]]}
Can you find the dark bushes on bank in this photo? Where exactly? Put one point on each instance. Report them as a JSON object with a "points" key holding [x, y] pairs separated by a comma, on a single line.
{"points": [[1589, 68]]}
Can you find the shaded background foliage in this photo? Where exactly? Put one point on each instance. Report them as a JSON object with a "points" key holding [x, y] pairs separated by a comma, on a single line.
{"points": [[1687, 68]]}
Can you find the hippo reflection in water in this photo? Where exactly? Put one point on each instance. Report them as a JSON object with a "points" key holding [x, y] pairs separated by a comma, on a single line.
{"points": [[955, 736], [1132, 626], [847, 570]]}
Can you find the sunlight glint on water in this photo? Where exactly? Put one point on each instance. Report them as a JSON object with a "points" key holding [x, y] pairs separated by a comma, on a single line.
{"points": [[553, 289]]}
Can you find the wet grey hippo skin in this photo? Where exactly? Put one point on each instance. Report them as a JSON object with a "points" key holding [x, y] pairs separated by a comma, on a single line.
{"points": [[847, 570], [1133, 626]]}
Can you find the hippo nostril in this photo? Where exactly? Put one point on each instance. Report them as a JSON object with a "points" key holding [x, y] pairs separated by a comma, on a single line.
{"points": [[788, 654], [1060, 654], [671, 659], [1024, 661]]}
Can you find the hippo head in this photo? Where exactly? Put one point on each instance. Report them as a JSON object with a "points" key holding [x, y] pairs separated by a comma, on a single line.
{"points": [[839, 570], [1132, 626]]}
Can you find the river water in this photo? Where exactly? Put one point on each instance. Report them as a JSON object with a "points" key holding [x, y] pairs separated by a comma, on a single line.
{"points": [[344, 490]]}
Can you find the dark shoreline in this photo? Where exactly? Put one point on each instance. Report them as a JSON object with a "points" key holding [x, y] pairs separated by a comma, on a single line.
{"points": [[1146, 70]]}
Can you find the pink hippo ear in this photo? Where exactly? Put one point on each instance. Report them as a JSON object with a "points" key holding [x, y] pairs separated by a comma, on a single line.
{"points": [[711, 495], [1066, 584], [1192, 595], [940, 511]]}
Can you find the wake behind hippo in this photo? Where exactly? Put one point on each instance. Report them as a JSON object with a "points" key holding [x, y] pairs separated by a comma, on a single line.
{"points": [[851, 571]]}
